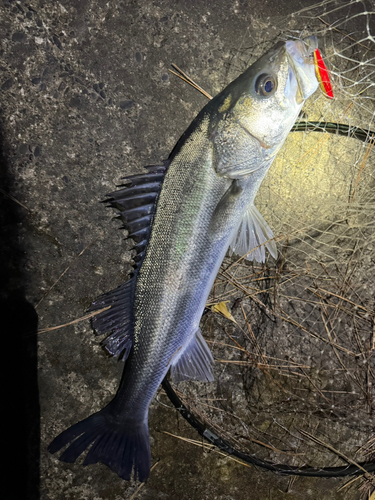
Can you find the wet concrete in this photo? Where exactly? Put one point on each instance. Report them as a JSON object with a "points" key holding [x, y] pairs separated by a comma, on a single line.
{"points": [[86, 98]]}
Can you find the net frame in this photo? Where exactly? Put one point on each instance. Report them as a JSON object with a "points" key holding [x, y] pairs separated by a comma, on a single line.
{"points": [[345, 55]]}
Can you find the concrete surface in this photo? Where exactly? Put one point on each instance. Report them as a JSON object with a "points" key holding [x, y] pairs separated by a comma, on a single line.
{"points": [[86, 98]]}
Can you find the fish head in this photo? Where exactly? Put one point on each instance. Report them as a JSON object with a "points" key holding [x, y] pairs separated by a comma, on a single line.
{"points": [[264, 102]]}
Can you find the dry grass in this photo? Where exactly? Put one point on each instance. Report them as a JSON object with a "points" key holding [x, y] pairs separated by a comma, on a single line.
{"points": [[296, 350]]}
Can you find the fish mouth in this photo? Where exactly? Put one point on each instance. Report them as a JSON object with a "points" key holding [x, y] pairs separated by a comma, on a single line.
{"points": [[299, 94], [300, 54]]}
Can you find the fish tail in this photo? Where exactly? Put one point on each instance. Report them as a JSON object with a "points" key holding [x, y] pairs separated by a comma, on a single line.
{"points": [[123, 447]]}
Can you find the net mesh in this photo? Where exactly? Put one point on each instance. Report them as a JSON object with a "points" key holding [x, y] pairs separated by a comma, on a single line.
{"points": [[295, 364]]}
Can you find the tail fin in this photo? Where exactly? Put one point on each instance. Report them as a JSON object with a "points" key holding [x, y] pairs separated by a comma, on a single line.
{"points": [[119, 446]]}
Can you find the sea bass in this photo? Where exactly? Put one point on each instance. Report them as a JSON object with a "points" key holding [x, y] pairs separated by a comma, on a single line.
{"points": [[184, 215]]}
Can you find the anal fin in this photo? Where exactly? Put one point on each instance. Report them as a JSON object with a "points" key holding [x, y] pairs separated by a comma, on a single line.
{"points": [[254, 235], [194, 361]]}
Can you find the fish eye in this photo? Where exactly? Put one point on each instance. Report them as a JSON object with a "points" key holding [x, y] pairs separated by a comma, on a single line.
{"points": [[265, 85]]}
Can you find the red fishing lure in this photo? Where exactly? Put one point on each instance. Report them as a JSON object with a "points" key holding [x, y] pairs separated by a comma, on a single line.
{"points": [[322, 75]]}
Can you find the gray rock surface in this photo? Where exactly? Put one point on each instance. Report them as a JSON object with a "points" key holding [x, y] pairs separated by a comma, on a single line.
{"points": [[86, 98]]}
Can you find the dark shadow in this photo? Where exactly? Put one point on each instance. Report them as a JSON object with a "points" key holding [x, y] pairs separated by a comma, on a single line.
{"points": [[19, 321]]}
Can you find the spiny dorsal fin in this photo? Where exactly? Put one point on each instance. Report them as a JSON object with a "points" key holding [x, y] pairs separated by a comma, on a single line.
{"points": [[137, 199], [136, 202]]}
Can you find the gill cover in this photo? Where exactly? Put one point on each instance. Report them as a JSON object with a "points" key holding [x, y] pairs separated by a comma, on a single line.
{"points": [[260, 107]]}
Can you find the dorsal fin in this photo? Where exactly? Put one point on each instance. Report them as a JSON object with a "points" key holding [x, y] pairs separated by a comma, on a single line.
{"points": [[119, 319], [136, 202]]}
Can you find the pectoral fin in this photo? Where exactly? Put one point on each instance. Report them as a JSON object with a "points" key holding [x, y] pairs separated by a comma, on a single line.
{"points": [[224, 210], [193, 361], [252, 235]]}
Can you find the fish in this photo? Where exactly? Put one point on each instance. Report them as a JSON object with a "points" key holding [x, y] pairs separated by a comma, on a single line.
{"points": [[184, 215]]}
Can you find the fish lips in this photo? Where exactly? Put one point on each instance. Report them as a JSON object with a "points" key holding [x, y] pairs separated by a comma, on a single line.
{"points": [[300, 54]]}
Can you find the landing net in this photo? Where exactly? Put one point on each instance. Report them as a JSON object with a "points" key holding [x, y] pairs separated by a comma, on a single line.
{"points": [[294, 371]]}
